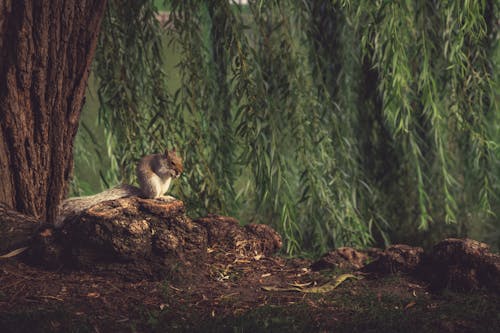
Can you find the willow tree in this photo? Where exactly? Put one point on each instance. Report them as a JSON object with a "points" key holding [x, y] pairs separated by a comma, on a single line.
{"points": [[338, 122], [46, 48]]}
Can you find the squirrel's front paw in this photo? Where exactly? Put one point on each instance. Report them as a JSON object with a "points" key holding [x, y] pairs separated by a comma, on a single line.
{"points": [[166, 198]]}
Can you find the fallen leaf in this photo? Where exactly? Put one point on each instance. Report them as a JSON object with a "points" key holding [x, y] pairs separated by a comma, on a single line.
{"points": [[327, 287], [238, 311], [409, 305], [241, 261], [93, 295], [46, 233], [301, 285], [414, 285], [311, 303], [273, 288], [14, 253], [227, 296], [51, 297]]}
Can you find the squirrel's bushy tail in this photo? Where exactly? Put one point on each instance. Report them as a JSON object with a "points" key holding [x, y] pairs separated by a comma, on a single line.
{"points": [[74, 206]]}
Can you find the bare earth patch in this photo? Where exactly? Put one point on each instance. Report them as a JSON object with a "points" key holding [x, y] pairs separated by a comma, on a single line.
{"points": [[135, 265], [228, 295]]}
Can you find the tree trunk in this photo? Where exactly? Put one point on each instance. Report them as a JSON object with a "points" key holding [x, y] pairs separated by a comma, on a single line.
{"points": [[46, 48]]}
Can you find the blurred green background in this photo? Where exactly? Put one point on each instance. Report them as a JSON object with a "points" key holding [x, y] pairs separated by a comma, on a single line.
{"points": [[337, 122]]}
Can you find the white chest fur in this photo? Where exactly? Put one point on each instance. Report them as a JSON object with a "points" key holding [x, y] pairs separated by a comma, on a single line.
{"points": [[160, 186]]}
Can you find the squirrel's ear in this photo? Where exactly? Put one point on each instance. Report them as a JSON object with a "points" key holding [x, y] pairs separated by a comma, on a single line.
{"points": [[173, 150], [166, 152]]}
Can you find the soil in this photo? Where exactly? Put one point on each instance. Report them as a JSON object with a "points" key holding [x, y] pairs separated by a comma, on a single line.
{"points": [[137, 265], [228, 295]]}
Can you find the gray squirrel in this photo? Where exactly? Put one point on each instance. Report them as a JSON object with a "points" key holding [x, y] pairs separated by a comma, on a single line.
{"points": [[154, 174]]}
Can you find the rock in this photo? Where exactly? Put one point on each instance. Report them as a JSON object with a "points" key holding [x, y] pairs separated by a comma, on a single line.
{"points": [[463, 265], [397, 258], [457, 264], [345, 258], [226, 234]]}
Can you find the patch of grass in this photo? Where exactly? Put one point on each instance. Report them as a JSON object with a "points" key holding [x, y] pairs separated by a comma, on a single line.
{"points": [[268, 318], [167, 320], [392, 313], [292, 318], [367, 311], [34, 320], [388, 307]]}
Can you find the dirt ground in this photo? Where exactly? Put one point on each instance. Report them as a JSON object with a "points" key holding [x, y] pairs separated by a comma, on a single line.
{"points": [[229, 295]]}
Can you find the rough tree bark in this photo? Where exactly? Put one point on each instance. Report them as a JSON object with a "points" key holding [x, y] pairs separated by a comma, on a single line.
{"points": [[144, 239], [46, 48]]}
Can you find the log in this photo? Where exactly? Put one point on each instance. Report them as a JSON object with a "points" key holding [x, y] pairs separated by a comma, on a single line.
{"points": [[16, 229], [139, 239]]}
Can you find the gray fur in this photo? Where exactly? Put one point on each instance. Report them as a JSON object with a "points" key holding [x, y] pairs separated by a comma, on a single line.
{"points": [[154, 174]]}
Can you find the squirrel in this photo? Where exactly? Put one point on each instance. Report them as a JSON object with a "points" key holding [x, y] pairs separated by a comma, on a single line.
{"points": [[154, 174]]}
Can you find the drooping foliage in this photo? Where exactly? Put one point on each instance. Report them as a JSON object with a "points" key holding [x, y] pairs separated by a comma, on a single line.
{"points": [[337, 122], [132, 87]]}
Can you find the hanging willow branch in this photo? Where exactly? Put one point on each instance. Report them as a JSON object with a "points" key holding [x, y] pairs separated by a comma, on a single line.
{"points": [[132, 87], [337, 122]]}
